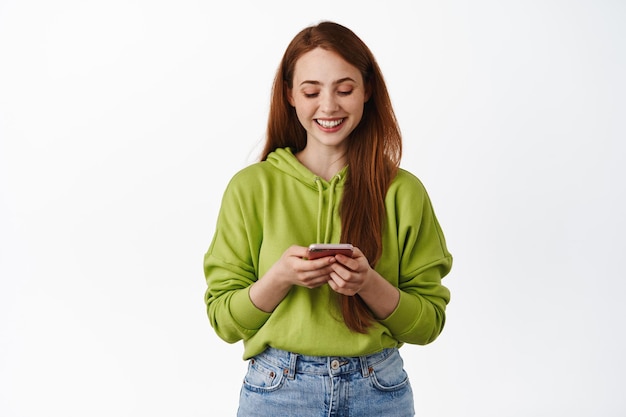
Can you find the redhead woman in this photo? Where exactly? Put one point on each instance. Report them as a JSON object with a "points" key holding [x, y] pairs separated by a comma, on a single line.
{"points": [[322, 334]]}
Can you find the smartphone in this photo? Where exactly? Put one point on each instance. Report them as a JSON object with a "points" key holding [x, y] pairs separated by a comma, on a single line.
{"points": [[319, 250]]}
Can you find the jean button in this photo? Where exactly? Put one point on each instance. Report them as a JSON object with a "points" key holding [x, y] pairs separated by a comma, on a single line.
{"points": [[334, 364]]}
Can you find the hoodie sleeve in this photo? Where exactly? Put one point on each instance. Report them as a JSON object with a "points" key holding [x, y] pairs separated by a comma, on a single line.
{"points": [[229, 270], [423, 261]]}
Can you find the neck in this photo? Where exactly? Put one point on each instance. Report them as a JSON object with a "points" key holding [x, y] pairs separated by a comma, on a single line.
{"points": [[323, 164]]}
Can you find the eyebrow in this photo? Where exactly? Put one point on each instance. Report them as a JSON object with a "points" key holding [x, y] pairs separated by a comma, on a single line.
{"points": [[339, 81]]}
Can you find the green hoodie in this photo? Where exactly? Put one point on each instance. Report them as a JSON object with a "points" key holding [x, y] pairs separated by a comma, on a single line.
{"points": [[274, 204]]}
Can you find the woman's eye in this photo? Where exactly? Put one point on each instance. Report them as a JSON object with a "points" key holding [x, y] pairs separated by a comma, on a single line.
{"points": [[344, 93], [310, 95]]}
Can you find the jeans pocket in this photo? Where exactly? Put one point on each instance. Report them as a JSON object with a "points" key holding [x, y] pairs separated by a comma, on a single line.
{"points": [[263, 377], [389, 375]]}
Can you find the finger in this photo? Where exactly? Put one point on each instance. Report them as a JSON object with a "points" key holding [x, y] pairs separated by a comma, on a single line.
{"points": [[316, 284], [348, 262], [340, 287], [338, 280], [316, 279], [342, 271], [323, 280], [308, 270], [322, 262], [297, 251]]}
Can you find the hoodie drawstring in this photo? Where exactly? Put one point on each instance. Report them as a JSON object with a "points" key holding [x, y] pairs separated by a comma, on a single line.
{"points": [[320, 206]]}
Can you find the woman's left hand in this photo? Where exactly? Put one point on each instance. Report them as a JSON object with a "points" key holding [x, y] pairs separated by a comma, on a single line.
{"points": [[352, 276]]}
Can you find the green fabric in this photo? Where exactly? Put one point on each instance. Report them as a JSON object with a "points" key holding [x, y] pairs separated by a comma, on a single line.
{"points": [[274, 204]]}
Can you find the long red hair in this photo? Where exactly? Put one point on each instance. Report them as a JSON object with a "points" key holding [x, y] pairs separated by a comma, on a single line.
{"points": [[374, 147]]}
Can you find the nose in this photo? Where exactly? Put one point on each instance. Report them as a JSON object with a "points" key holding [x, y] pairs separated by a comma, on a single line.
{"points": [[328, 103]]}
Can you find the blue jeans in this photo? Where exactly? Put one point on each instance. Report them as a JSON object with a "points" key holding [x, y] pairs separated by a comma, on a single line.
{"points": [[280, 383]]}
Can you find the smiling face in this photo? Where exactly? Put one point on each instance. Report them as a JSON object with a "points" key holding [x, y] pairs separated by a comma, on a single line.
{"points": [[328, 94]]}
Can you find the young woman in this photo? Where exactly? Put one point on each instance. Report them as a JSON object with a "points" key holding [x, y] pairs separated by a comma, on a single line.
{"points": [[322, 335]]}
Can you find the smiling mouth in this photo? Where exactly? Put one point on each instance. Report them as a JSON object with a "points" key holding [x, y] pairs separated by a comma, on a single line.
{"points": [[329, 124]]}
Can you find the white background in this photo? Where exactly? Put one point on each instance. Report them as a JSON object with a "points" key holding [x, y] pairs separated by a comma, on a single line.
{"points": [[121, 122]]}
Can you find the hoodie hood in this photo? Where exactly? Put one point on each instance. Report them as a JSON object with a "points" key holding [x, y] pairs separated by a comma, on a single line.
{"points": [[328, 192]]}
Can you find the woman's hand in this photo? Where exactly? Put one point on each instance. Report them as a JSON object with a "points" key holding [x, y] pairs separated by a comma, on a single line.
{"points": [[351, 276], [289, 270], [293, 269]]}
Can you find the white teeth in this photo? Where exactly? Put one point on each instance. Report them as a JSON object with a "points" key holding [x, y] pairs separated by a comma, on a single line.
{"points": [[328, 124]]}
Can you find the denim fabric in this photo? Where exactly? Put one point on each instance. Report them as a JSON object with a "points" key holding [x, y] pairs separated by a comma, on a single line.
{"points": [[280, 383]]}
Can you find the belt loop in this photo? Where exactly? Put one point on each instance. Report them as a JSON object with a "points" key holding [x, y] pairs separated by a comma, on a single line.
{"points": [[291, 372], [365, 369]]}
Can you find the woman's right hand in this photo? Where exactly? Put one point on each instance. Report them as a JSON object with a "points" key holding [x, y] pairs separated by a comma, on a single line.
{"points": [[290, 269]]}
